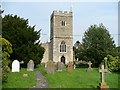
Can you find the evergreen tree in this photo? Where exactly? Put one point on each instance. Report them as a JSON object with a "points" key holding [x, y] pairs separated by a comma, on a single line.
{"points": [[96, 44], [24, 38]]}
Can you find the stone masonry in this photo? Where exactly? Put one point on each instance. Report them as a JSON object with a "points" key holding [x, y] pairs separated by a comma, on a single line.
{"points": [[60, 47]]}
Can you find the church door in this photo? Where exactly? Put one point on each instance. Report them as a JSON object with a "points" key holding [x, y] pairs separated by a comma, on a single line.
{"points": [[63, 59]]}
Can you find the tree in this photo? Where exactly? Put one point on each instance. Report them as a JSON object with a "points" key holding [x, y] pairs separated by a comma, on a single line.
{"points": [[76, 49], [96, 44], [116, 51], [6, 51], [24, 38]]}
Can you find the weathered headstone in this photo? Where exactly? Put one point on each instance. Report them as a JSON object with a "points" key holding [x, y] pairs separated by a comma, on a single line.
{"points": [[70, 67], [59, 66], [50, 67], [103, 84], [89, 68], [30, 66], [15, 66], [74, 66]]}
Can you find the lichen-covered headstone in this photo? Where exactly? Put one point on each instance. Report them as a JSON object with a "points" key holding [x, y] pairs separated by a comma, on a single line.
{"points": [[60, 66], [50, 67], [70, 67], [30, 65]]}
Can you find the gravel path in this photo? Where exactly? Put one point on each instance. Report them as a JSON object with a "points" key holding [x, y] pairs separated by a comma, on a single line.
{"points": [[41, 81]]}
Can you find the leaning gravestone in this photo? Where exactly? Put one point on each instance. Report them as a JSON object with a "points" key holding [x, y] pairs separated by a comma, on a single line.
{"points": [[50, 67], [30, 65], [89, 68], [59, 66], [15, 66], [70, 67]]}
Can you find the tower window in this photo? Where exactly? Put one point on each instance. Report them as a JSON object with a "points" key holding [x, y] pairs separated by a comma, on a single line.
{"points": [[63, 23], [62, 47]]}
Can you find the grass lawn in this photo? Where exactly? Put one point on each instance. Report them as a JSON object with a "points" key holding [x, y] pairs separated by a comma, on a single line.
{"points": [[16, 80], [79, 78]]}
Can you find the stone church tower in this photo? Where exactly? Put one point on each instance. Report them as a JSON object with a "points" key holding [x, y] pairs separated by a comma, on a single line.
{"points": [[61, 37]]}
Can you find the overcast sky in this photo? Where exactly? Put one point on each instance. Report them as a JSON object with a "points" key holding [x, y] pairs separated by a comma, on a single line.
{"points": [[84, 15]]}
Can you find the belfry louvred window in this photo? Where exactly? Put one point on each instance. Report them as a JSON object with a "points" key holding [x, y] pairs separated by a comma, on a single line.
{"points": [[63, 23]]}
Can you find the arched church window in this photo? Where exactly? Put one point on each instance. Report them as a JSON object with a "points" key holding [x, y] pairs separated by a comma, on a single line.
{"points": [[63, 23], [62, 47]]}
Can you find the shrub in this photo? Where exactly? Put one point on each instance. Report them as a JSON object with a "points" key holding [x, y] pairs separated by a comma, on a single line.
{"points": [[113, 63], [6, 51]]}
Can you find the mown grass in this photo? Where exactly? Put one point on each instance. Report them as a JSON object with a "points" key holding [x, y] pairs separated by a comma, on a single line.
{"points": [[79, 78], [16, 80]]}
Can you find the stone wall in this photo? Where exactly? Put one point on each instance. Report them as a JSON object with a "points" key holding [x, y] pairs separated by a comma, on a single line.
{"points": [[46, 54]]}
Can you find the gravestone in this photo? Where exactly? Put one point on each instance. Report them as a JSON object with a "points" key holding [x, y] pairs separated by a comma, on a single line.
{"points": [[102, 84], [30, 65], [77, 59], [15, 66], [105, 63], [74, 66], [50, 67], [89, 68], [70, 67], [59, 66]]}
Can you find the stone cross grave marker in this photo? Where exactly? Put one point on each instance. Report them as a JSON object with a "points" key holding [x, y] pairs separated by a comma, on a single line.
{"points": [[59, 66], [105, 63], [103, 83], [30, 65], [15, 66], [50, 67], [102, 71], [89, 68], [70, 67]]}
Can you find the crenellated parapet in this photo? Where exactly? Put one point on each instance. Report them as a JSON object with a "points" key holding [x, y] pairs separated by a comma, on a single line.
{"points": [[61, 13]]}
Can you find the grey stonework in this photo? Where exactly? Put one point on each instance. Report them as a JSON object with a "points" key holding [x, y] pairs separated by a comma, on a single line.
{"points": [[61, 30]]}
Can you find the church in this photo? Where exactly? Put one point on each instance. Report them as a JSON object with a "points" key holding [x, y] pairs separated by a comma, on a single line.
{"points": [[60, 47]]}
